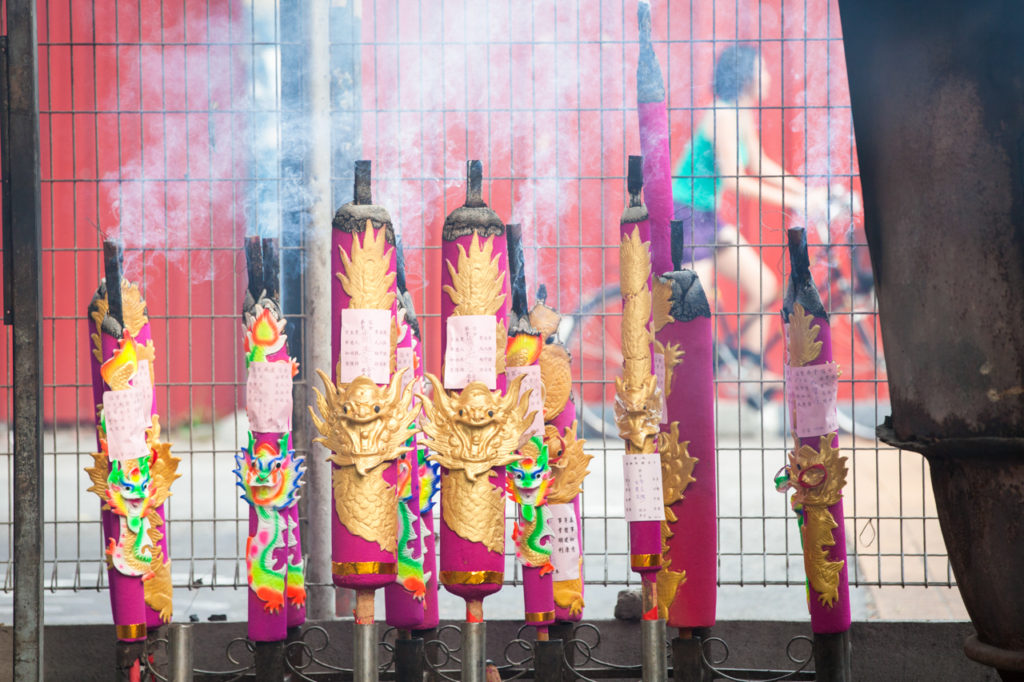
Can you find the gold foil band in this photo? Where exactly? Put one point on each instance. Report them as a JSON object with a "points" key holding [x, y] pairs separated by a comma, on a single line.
{"points": [[134, 631], [539, 616], [472, 577], [645, 560], [343, 568]]}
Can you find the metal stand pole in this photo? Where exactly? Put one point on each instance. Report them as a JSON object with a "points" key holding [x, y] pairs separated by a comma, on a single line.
{"points": [[23, 289], [270, 665], [409, 664], [179, 653], [564, 632], [687, 663], [428, 635], [652, 641], [474, 656], [832, 657], [364, 647], [547, 660]]}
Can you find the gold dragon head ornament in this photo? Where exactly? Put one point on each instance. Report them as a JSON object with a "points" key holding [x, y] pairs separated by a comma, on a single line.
{"points": [[637, 412], [364, 424], [817, 476], [475, 429]]}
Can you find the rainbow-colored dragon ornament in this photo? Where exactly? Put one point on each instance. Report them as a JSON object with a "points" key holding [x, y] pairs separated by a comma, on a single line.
{"points": [[270, 476], [411, 574], [527, 482]]}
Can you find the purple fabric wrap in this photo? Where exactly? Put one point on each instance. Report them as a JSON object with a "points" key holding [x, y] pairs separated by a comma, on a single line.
{"points": [[654, 145], [127, 602], [693, 545], [402, 609], [345, 545], [431, 614], [538, 596], [644, 536], [564, 421], [824, 619], [457, 553], [264, 626], [296, 613]]}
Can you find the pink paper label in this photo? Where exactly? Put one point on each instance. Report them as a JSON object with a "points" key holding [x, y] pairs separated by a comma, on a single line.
{"points": [[126, 415], [268, 397], [565, 547], [812, 392], [469, 354], [406, 360], [659, 372], [531, 383], [143, 383], [365, 345], [642, 483]]}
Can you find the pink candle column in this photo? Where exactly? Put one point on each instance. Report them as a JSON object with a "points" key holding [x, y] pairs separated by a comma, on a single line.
{"points": [[654, 143], [429, 487], [638, 401], [828, 591], [690, 560]]}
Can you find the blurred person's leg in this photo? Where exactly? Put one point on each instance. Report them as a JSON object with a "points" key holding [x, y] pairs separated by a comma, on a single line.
{"points": [[736, 259]]}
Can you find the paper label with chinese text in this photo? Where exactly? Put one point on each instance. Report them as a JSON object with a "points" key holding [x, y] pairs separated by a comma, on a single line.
{"points": [[565, 545], [531, 382], [470, 349], [268, 397], [365, 345], [812, 391], [126, 415], [406, 360], [642, 483], [143, 383]]}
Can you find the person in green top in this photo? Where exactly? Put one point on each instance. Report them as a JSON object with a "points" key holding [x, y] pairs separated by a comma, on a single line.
{"points": [[725, 154]]}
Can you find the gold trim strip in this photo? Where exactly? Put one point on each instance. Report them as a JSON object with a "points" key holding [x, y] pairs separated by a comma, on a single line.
{"points": [[133, 631], [472, 577], [343, 568], [539, 617], [645, 560]]}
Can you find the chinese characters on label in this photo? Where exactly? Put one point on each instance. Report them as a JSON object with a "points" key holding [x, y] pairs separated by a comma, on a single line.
{"points": [[268, 397], [659, 372], [642, 483], [126, 415], [812, 392], [143, 383], [532, 383], [365, 345], [565, 546], [469, 353], [407, 360]]}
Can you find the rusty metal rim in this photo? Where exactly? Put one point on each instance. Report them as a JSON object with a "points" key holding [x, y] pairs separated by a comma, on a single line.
{"points": [[1000, 659], [993, 446]]}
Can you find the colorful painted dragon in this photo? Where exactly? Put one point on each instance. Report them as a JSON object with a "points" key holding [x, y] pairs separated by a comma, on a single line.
{"points": [[270, 475], [410, 559], [528, 482]]}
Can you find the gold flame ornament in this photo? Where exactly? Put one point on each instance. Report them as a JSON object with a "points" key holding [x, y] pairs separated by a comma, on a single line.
{"points": [[470, 432], [804, 346], [818, 478], [365, 426], [676, 474], [638, 401]]}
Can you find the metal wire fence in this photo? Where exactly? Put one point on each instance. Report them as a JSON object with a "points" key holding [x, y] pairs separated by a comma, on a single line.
{"points": [[178, 127]]}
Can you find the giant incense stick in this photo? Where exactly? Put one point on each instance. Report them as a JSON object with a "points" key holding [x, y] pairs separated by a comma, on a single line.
{"points": [[682, 325], [568, 464], [473, 424], [132, 471], [816, 472], [654, 143], [366, 413], [269, 474], [530, 478]]}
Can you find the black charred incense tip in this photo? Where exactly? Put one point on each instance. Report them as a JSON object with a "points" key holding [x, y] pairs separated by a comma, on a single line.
{"points": [[474, 183], [254, 266], [516, 268], [688, 298], [113, 267], [272, 269], [635, 179], [400, 265], [362, 194], [799, 261], [542, 293], [676, 227], [801, 287]]}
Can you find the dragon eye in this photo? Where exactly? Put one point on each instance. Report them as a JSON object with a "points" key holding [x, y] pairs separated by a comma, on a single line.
{"points": [[490, 413], [344, 409], [376, 408], [460, 413]]}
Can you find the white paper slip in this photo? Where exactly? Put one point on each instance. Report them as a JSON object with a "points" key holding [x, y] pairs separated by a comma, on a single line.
{"points": [[268, 397], [659, 372], [143, 383], [126, 415], [565, 546], [532, 383], [406, 359], [812, 391], [470, 351], [641, 476], [365, 345]]}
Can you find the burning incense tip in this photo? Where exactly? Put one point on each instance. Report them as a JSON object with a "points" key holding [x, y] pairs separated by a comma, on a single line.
{"points": [[475, 183], [362, 194], [635, 178], [113, 264]]}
